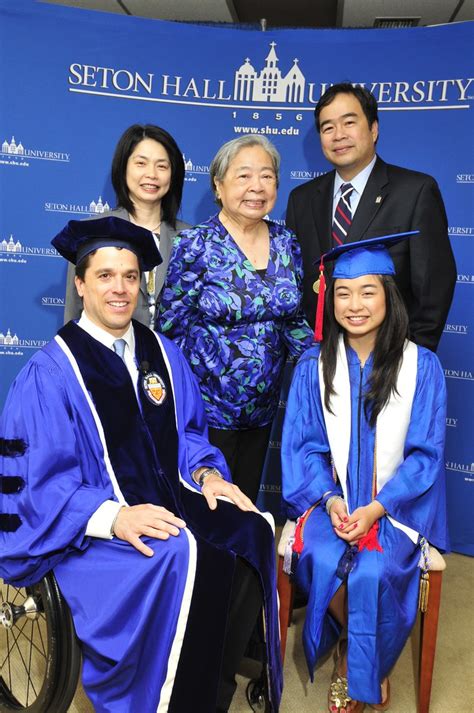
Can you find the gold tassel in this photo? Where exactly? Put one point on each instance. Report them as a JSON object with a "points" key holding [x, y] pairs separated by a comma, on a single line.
{"points": [[424, 592]]}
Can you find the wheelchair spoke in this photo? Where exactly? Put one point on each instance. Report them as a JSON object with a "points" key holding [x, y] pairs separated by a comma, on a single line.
{"points": [[26, 650], [29, 667], [11, 633], [40, 634], [13, 594], [39, 661], [20, 636], [8, 659], [29, 639], [17, 646], [9, 666]]}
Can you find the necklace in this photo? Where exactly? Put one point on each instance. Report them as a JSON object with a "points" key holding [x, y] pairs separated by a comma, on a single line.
{"points": [[152, 230], [156, 228]]}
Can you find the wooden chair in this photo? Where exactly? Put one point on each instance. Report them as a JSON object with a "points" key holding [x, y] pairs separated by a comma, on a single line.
{"points": [[428, 623]]}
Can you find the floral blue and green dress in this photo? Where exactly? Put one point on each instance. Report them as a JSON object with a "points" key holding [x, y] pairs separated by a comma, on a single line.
{"points": [[234, 323]]}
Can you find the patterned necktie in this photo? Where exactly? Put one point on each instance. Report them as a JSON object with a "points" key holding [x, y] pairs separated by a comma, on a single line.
{"points": [[119, 347], [343, 215]]}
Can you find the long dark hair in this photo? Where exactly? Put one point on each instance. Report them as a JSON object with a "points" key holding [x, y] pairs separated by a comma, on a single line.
{"points": [[171, 202], [388, 350]]}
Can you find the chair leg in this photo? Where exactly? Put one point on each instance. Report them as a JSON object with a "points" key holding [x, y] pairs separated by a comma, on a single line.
{"points": [[285, 594], [428, 633]]}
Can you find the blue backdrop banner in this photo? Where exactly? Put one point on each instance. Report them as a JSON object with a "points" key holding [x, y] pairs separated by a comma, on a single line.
{"points": [[72, 80]]}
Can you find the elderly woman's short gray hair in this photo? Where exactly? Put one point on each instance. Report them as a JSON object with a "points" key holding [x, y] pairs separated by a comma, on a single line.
{"points": [[226, 154]]}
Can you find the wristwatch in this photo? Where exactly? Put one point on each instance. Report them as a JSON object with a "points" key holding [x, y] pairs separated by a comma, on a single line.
{"points": [[205, 473], [112, 527]]}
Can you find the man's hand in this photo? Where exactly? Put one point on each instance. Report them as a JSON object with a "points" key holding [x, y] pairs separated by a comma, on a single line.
{"points": [[150, 520], [214, 486]]}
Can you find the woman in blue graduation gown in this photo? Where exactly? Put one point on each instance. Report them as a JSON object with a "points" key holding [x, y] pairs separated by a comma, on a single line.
{"points": [[364, 439]]}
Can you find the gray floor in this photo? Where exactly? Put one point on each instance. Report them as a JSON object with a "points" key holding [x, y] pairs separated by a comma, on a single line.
{"points": [[453, 684]]}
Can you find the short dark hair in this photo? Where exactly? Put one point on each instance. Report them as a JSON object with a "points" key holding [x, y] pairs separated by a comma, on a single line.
{"points": [[171, 202], [366, 99], [81, 268]]}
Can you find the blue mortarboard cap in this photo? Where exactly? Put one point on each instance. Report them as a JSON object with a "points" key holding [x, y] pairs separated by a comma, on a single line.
{"points": [[364, 257], [81, 237]]}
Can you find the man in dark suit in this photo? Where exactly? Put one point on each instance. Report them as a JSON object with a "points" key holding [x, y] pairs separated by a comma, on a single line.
{"points": [[381, 199]]}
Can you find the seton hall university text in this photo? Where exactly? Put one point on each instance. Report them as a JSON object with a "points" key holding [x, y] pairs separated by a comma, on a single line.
{"points": [[92, 79]]}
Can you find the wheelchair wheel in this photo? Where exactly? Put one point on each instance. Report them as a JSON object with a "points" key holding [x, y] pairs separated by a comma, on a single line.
{"points": [[257, 694], [39, 654]]}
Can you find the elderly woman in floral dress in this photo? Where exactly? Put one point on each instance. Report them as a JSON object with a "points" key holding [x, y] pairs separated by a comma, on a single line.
{"points": [[232, 303]]}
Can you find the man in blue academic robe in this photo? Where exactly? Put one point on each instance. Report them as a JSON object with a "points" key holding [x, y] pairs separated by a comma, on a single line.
{"points": [[105, 430]]}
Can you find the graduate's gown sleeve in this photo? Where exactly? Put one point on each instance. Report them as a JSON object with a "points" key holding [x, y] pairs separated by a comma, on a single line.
{"points": [[306, 467], [416, 493], [195, 450], [61, 482]]}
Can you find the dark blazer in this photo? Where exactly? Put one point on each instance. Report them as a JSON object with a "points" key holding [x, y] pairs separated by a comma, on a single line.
{"points": [[394, 200], [73, 303]]}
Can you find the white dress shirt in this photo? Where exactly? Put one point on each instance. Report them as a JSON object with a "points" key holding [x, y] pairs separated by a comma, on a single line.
{"points": [[100, 522]]}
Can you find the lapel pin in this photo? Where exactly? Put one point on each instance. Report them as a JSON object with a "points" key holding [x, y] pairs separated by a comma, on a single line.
{"points": [[378, 199]]}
